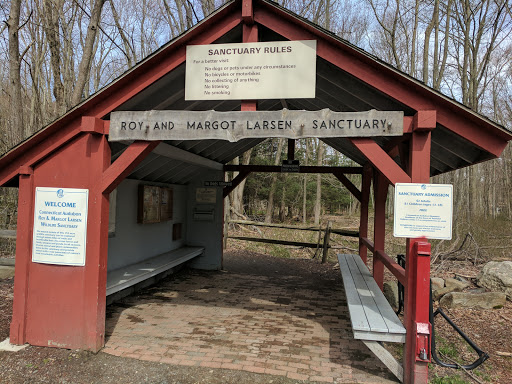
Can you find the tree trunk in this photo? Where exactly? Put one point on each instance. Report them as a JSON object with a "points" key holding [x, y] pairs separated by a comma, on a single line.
{"points": [[282, 207], [84, 69], [238, 194], [13, 25], [51, 30], [305, 186], [318, 201], [270, 205]]}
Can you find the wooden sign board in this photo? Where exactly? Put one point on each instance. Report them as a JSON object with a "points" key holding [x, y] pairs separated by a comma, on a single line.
{"points": [[238, 125], [155, 204], [244, 71]]}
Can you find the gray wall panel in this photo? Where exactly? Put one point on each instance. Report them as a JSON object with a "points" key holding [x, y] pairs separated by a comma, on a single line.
{"points": [[205, 233], [134, 242]]}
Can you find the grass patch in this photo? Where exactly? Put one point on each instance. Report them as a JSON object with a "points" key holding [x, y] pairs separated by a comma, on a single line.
{"points": [[446, 348], [279, 251], [455, 379]]}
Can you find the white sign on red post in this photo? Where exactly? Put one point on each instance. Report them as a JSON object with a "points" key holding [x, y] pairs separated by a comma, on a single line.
{"points": [[60, 226], [423, 210]]}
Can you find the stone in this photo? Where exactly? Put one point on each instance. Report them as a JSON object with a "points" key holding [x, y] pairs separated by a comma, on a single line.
{"points": [[456, 283], [476, 290], [497, 276], [437, 294], [487, 300], [460, 278], [390, 290], [6, 272], [437, 283], [7, 346]]}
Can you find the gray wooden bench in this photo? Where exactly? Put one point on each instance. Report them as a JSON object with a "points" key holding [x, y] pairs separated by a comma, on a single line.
{"points": [[373, 320], [122, 278]]}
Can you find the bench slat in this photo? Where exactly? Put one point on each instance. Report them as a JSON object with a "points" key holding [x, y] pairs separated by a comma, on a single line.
{"points": [[371, 310], [357, 315], [125, 277], [371, 315], [389, 316]]}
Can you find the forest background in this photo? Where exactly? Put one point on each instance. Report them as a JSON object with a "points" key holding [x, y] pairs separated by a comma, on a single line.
{"points": [[56, 53]]}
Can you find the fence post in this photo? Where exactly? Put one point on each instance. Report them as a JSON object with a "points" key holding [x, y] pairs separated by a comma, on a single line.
{"points": [[326, 242]]}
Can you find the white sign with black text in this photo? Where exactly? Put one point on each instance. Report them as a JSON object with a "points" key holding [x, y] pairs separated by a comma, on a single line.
{"points": [[423, 210], [60, 226], [242, 71]]}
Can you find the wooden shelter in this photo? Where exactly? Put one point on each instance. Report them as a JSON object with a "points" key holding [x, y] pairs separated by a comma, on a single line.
{"points": [[64, 306]]}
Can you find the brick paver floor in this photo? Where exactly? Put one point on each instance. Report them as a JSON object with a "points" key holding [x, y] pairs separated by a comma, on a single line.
{"points": [[279, 325]]}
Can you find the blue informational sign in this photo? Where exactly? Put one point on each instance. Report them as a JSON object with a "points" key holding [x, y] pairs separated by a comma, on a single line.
{"points": [[423, 210], [60, 226]]}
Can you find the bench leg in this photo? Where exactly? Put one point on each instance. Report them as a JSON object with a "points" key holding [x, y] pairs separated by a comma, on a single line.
{"points": [[387, 358]]}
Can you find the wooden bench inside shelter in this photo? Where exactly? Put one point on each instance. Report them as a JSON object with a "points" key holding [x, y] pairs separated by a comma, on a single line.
{"points": [[130, 275], [372, 318]]}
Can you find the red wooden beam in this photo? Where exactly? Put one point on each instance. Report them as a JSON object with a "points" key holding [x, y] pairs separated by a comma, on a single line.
{"points": [[381, 160], [425, 120], [37, 154], [247, 12], [380, 191], [408, 124], [125, 164], [388, 80], [392, 265], [23, 256], [363, 217], [249, 35], [91, 124], [367, 243], [417, 268]]}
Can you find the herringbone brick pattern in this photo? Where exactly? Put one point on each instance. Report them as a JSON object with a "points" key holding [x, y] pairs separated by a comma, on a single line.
{"points": [[278, 325]]}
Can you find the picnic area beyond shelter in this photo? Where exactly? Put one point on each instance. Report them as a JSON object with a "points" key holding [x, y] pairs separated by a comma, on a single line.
{"points": [[178, 219]]}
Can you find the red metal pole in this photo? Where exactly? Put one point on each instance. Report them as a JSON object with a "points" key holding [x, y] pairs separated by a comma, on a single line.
{"points": [[417, 270], [363, 219]]}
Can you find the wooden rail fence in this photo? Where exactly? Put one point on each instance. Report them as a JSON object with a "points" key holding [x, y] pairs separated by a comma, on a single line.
{"points": [[328, 230]]}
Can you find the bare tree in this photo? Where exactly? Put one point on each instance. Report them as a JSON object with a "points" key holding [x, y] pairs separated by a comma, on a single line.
{"points": [[270, 204], [84, 69], [13, 26], [318, 201]]}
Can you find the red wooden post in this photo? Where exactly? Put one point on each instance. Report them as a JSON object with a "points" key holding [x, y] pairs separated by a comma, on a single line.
{"points": [[417, 270], [250, 35], [23, 252], [59, 305], [380, 188], [363, 220]]}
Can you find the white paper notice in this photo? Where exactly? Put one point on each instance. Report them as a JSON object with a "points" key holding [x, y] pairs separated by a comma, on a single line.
{"points": [[267, 70], [423, 210], [60, 226]]}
